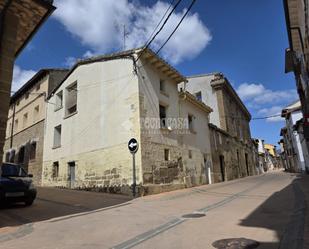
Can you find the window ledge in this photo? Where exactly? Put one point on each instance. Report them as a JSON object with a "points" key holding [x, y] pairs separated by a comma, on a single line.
{"points": [[56, 147], [70, 115], [58, 108], [164, 93]]}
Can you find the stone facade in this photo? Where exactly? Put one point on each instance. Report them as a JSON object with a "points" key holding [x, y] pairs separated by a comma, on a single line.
{"points": [[26, 122], [233, 152], [231, 158], [22, 143]]}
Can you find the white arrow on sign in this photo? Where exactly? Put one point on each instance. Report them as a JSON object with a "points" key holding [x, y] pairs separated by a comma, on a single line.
{"points": [[132, 145]]}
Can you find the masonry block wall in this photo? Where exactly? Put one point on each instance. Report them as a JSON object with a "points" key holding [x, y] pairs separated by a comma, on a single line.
{"points": [[23, 139]]}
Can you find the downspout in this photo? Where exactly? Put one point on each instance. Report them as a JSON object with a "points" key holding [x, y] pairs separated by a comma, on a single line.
{"points": [[12, 127]]}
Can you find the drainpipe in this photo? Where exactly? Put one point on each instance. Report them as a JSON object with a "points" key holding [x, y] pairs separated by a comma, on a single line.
{"points": [[12, 127]]}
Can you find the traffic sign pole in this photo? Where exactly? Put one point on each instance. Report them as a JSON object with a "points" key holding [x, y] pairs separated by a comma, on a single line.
{"points": [[133, 147], [134, 176]]}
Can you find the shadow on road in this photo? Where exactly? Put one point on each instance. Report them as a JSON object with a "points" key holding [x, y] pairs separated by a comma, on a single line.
{"points": [[284, 213], [54, 203]]}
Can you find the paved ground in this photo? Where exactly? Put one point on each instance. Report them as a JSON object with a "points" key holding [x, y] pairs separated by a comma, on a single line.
{"points": [[269, 209]]}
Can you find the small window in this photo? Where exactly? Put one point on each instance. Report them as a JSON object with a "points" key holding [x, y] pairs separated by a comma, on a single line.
{"points": [[16, 125], [38, 86], [55, 169], [32, 151], [71, 99], [59, 100], [190, 154], [198, 96], [7, 157], [25, 120], [57, 136], [17, 103], [190, 122], [166, 154], [162, 116], [36, 113], [26, 95], [21, 154], [162, 85]]}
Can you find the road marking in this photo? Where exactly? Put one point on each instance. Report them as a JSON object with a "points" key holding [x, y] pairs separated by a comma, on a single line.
{"points": [[162, 228]]}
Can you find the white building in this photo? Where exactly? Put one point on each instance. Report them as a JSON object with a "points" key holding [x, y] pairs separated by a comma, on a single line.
{"points": [[293, 148], [105, 101]]}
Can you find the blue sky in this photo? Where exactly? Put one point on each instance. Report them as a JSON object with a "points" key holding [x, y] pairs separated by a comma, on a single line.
{"points": [[243, 39]]}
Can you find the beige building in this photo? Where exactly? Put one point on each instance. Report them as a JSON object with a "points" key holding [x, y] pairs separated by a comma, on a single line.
{"points": [[20, 19], [297, 55], [26, 121], [105, 101], [232, 148]]}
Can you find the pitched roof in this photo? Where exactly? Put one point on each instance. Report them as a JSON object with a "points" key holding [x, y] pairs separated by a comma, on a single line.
{"points": [[146, 53], [30, 83]]}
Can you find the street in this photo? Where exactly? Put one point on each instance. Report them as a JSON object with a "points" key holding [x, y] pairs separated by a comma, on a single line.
{"points": [[261, 208]]}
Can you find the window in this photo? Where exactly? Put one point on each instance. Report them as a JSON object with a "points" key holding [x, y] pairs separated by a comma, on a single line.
{"points": [[59, 100], [25, 120], [162, 85], [38, 86], [21, 155], [12, 156], [55, 169], [7, 157], [32, 151], [198, 96], [26, 95], [17, 103], [190, 122], [162, 116], [36, 113], [190, 154], [71, 99], [16, 125], [57, 136], [166, 154]]}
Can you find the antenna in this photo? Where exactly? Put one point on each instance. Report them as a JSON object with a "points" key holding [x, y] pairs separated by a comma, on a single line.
{"points": [[125, 35]]}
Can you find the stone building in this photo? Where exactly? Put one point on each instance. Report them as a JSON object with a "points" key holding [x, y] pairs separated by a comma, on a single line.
{"points": [[102, 103], [232, 148], [26, 121], [297, 55], [20, 19]]}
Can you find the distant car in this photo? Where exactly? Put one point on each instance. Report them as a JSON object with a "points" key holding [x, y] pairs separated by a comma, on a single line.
{"points": [[16, 185]]}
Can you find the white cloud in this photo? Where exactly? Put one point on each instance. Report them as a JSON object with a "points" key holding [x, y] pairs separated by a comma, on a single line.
{"points": [[20, 77], [257, 94], [70, 61], [272, 111], [99, 24]]}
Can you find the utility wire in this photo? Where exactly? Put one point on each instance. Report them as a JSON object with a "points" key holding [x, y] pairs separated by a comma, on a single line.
{"points": [[170, 5], [191, 5], [160, 29]]}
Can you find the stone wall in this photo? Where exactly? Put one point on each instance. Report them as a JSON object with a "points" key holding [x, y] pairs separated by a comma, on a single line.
{"points": [[34, 133], [106, 169], [233, 166]]}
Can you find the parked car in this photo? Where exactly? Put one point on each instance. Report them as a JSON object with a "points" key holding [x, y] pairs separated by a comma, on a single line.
{"points": [[16, 185]]}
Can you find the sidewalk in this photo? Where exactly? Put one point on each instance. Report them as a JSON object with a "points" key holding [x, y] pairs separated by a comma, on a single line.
{"points": [[303, 182]]}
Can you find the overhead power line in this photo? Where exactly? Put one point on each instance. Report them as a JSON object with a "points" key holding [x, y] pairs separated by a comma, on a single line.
{"points": [[160, 29], [191, 5], [271, 116]]}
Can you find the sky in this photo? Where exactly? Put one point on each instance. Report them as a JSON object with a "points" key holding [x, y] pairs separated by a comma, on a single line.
{"points": [[245, 40]]}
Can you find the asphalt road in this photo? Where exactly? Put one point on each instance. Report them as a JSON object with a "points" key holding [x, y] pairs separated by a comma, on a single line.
{"points": [[52, 203], [268, 210]]}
